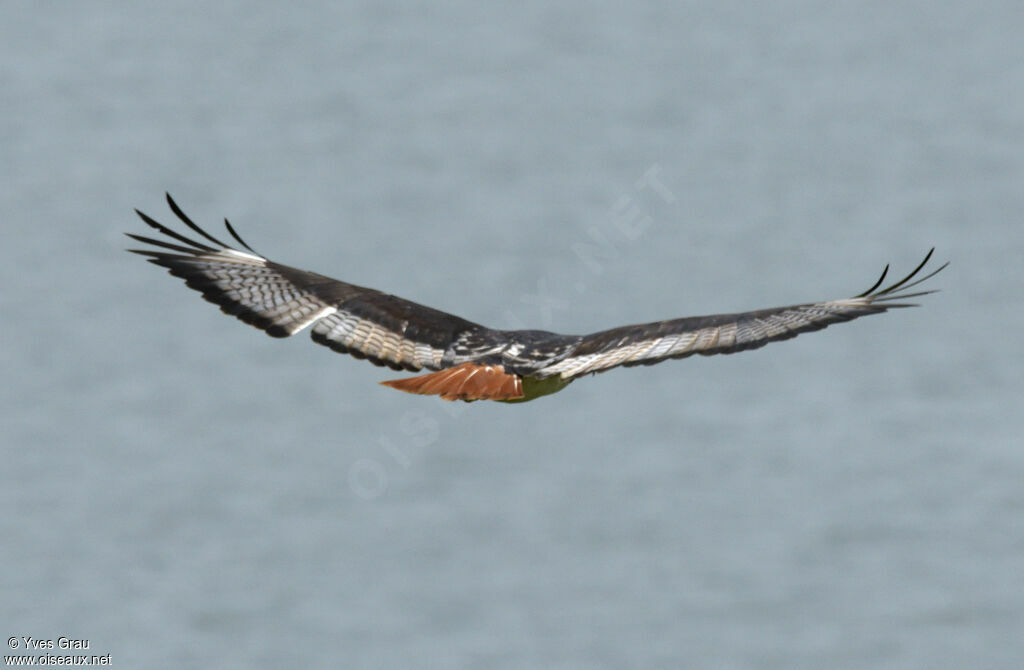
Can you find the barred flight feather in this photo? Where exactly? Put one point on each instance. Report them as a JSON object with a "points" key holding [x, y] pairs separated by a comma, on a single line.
{"points": [[283, 300], [471, 362], [651, 343]]}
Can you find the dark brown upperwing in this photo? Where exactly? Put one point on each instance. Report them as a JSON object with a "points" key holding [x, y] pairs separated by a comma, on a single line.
{"points": [[649, 343], [282, 300]]}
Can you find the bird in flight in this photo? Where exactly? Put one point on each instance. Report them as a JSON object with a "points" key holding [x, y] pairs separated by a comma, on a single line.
{"points": [[468, 361]]}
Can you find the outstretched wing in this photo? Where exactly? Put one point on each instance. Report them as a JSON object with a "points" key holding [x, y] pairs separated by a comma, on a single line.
{"points": [[283, 300], [649, 343]]}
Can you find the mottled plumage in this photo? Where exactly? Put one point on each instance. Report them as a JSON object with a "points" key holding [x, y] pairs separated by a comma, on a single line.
{"points": [[470, 361]]}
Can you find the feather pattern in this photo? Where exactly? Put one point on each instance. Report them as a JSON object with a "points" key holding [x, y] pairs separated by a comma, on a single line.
{"points": [[283, 300], [477, 362], [650, 343]]}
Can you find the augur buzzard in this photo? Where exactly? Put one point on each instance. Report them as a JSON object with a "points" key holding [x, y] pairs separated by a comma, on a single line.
{"points": [[469, 361]]}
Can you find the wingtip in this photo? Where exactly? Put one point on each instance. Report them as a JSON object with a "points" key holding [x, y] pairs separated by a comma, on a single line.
{"points": [[174, 207], [885, 272], [141, 252], [238, 238], [876, 294], [148, 220]]}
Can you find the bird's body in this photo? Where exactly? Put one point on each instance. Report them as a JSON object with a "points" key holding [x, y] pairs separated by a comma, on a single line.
{"points": [[470, 361]]}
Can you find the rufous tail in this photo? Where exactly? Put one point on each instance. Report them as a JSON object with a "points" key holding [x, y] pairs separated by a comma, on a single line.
{"points": [[468, 381]]}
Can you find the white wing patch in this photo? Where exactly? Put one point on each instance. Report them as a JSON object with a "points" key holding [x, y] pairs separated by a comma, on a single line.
{"points": [[365, 336], [672, 344], [746, 329]]}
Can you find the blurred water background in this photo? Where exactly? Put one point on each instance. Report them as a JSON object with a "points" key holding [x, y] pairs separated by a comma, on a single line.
{"points": [[184, 491]]}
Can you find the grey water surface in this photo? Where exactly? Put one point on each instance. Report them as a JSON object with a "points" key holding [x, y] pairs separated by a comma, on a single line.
{"points": [[183, 491]]}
